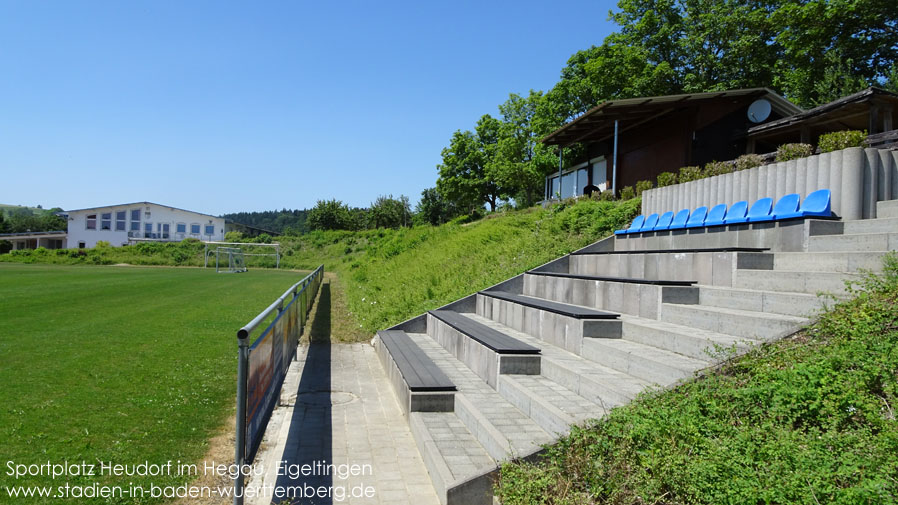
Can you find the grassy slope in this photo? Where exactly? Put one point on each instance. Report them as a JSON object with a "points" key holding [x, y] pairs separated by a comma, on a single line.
{"points": [[6, 208], [120, 364], [387, 276], [810, 419]]}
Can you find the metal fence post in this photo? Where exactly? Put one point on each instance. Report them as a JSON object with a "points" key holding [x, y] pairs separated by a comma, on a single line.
{"points": [[240, 451]]}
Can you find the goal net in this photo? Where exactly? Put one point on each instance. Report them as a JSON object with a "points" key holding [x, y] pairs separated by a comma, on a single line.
{"points": [[229, 260]]}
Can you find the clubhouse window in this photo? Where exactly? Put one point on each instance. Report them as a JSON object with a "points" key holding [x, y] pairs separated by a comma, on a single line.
{"points": [[91, 221], [120, 220], [181, 228], [195, 229], [135, 215], [210, 230], [106, 221]]}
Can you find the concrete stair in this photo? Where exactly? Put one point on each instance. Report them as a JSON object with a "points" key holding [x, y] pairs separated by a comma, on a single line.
{"points": [[602, 341]]}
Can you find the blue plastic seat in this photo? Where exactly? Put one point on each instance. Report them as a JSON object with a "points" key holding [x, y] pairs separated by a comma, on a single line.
{"points": [[649, 223], [737, 213], [716, 215], [761, 210], [697, 219], [664, 221], [634, 226], [818, 203], [679, 221], [786, 206]]}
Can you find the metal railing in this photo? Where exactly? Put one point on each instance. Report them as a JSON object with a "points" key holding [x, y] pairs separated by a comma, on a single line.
{"points": [[262, 366]]}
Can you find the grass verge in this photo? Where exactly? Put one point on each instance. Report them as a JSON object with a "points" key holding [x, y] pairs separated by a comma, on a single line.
{"points": [[809, 419]]}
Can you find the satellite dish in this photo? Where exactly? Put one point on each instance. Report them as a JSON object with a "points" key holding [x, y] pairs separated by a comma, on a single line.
{"points": [[759, 110]]}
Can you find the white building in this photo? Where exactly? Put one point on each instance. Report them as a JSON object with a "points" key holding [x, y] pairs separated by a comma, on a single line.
{"points": [[117, 224]]}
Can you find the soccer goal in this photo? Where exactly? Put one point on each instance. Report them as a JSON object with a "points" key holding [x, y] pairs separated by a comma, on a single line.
{"points": [[235, 262]]}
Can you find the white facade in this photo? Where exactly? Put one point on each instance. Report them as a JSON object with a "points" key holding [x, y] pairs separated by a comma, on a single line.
{"points": [[117, 224]]}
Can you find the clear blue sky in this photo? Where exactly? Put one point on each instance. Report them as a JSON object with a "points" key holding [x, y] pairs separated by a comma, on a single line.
{"points": [[225, 106]]}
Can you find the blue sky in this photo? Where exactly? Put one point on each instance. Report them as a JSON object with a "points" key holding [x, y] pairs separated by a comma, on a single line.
{"points": [[227, 106]]}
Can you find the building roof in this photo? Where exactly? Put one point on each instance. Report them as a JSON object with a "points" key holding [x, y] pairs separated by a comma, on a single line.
{"points": [[844, 110], [138, 203], [598, 122]]}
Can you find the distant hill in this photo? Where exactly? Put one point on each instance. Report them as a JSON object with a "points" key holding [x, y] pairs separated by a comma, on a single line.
{"points": [[280, 221], [19, 219], [9, 210]]}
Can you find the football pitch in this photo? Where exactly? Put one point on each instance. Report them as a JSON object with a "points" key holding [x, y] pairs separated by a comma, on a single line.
{"points": [[126, 365]]}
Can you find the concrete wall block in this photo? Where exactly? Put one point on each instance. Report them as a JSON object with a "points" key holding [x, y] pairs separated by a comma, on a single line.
{"points": [[601, 328], [723, 266], [648, 299], [519, 364], [884, 176], [702, 268], [800, 175], [871, 182], [827, 161]]}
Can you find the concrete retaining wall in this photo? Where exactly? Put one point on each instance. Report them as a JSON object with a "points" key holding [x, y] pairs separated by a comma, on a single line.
{"points": [[858, 178]]}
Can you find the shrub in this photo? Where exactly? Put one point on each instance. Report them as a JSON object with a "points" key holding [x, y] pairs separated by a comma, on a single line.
{"points": [[666, 179], [627, 193], [835, 141], [747, 161], [233, 236], [717, 168], [690, 173], [606, 196], [643, 186], [787, 152]]}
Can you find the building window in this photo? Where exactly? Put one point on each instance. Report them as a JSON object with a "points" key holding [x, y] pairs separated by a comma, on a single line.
{"points": [[120, 220], [91, 221], [148, 230], [135, 215], [210, 229], [106, 221], [81, 245], [135, 225], [195, 229], [182, 228]]}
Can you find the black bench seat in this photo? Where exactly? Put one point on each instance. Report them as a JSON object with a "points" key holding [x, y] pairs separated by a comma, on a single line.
{"points": [[489, 337], [418, 370], [564, 309], [654, 282]]}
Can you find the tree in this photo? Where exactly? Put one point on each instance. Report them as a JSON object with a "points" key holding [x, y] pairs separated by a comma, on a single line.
{"points": [[463, 179], [389, 212], [433, 208], [330, 215]]}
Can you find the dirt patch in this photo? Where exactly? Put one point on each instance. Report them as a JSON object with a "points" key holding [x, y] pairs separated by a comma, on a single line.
{"points": [[221, 451]]}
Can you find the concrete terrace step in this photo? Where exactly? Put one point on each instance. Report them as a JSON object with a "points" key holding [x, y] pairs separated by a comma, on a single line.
{"points": [[554, 407], [740, 323], [879, 225], [691, 342], [793, 281], [887, 208], [604, 386], [827, 261], [503, 430], [646, 362], [854, 242], [460, 468], [774, 302]]}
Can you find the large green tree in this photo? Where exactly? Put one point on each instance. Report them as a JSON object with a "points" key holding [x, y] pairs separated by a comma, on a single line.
{"points": [[389, 212], [463, 178]]}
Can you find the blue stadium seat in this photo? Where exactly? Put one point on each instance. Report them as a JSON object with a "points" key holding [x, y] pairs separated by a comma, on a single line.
{"points": [[697, 219], [737, 212], [786, 206], [716, 215], [760, 210], [679, 221], [818, 203], [634, 226], [664, 221], [649, 223]]}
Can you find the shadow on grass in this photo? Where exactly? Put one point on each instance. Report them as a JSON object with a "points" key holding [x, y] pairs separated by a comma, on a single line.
{"points": [[320, 330]]}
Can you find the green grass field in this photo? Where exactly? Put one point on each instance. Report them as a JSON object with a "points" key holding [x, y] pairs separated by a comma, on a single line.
{"points": [[121, 364]]}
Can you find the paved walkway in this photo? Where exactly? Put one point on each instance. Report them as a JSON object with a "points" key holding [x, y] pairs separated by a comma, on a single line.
{"points": [[339, 410]]}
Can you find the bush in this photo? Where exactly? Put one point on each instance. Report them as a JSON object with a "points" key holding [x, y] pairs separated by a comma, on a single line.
{"points": [[747, 161], [233, 236], [643, 186], [787, 152], [666, 179], [836, 141], [627, 193], [690, 173], [717, 168], [606, 196]]}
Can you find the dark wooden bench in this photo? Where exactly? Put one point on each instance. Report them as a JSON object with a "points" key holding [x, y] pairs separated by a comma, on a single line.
{"points": [[586, 250], [564, 309], [489, 337], [418, 370], [628, 280]]}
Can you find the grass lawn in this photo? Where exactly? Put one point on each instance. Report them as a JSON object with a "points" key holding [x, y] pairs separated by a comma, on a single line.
{"points": [[121, 364]]}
